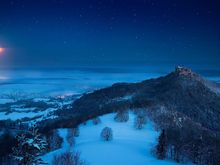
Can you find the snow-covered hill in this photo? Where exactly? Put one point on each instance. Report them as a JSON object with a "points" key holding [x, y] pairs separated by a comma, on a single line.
{"points": [[128, 147]]}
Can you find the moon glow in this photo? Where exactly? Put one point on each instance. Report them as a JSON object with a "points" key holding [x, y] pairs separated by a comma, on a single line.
{"points": [[1, 50]]}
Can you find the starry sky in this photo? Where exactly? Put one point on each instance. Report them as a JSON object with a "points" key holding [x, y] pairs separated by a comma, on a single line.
{"points": [[68, 33]]}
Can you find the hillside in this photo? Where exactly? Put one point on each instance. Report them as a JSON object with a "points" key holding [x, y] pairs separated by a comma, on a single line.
{"points": [[182, 103], [127, 146], [187, 94]]}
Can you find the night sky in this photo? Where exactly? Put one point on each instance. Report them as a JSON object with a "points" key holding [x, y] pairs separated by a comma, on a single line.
{"points": [[68, 33]]}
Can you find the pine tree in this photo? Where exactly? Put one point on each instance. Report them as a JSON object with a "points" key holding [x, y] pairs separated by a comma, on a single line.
{"points": [[162, 146], [29, 148]]}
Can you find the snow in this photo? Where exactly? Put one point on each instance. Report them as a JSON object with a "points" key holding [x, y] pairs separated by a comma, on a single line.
{"points": [[20, 113], [17, 110], [128, 147], [24, 109], [4, 100], [41, 99], [124, 98]]}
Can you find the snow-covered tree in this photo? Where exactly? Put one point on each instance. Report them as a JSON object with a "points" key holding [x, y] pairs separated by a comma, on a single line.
{"points": [[29, 148], [122, 116], [68, 158], [107, 134]]}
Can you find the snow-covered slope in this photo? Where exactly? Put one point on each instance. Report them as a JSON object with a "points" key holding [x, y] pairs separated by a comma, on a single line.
{"points": [[128, 147]]}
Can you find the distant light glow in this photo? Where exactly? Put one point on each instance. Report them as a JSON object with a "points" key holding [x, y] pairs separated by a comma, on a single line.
{"points": [[1, 50]]}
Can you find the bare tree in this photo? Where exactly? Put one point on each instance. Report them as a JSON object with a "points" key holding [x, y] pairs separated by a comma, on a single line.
{"points": [[140, 120], [107, 134], [122, 116], [70, 137], [68, 158], [96, 121]]}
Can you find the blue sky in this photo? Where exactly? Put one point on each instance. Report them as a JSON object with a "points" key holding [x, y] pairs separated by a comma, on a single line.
{"points": [[64, 33]]}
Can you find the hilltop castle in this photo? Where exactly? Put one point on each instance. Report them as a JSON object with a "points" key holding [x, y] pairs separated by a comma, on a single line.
{"points": [[183, 71]]}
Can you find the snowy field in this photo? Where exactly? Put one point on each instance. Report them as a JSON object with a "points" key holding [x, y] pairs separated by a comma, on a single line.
{"points": [[128, 147]]}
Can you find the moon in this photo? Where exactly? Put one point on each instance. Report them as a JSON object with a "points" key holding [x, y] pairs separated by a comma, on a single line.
{"points": [[1, 50]]}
